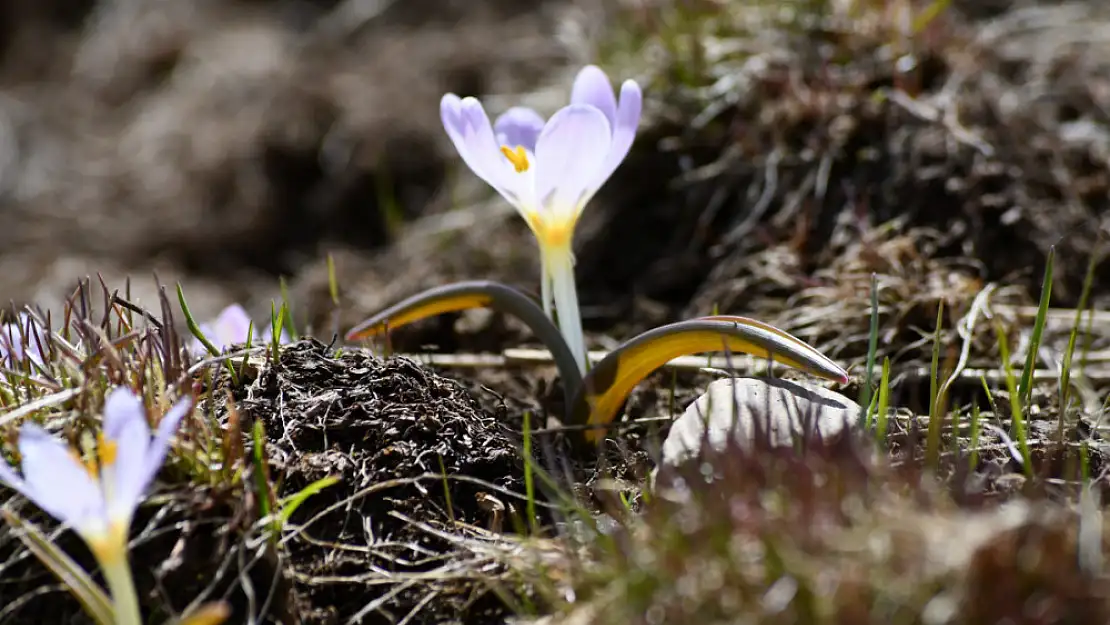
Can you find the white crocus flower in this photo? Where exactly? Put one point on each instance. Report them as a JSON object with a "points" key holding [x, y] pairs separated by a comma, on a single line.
{"points": [[550, 170], [97, 497]]}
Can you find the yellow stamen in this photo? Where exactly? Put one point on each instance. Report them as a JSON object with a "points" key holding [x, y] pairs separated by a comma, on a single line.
{"points": [[106, 449], [88, 463], [517, 156]]}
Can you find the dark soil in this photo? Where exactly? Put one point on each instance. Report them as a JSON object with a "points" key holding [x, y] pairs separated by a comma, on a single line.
{"points": [[390, 431]]}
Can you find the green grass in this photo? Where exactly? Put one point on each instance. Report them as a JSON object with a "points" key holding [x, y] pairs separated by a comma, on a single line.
{"points": [[936, 416], [872, 350]]}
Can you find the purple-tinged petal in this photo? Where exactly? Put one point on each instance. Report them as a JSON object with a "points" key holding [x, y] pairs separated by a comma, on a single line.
{"points": [[9, 478], [56, 482], [18, 341], [570, 151], [470, 131], [126, 428], [29, 338], [232, 326], [468, 126], [122, 409], [519, 126], [11, 345], [592, 86], [624, 131], [156, 453]]}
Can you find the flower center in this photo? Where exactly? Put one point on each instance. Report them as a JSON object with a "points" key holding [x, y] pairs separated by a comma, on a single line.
{"points": [[106, 450], [105, 456], [517, 156]]}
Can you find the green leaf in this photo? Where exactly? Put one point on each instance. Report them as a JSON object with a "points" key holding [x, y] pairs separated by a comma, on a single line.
{"points": [[287, 310], [1069, 353], [872, 349], [1017, 425], [191, 323], [333, 281], [932, 444], [290, 503], [529, 485], [1025, 389], [884, 400]]}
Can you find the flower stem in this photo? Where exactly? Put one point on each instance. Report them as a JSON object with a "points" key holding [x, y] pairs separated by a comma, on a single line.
{"points": [[117, 573], [559, 264], [545, 284]]}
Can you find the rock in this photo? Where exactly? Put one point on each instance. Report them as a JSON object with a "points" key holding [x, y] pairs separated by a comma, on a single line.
{"points": [[782, 409]]}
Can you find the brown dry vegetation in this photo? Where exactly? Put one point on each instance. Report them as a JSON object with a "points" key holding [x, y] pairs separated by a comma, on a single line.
{"points": [[789, 152]]}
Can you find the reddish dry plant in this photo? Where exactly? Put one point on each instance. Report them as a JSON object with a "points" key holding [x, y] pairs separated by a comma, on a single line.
{"points": [[829, 534]]}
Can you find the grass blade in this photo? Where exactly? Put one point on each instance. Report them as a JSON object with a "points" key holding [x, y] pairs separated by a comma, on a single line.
{"points": [[884, 400], [1069, 353], [529, 485], [290, 503], [277, 320], [194, 328], [932, 445], [872, 349], [333, 281], [192, 324], [1017, 423], [973, 435], [262, 478], [1025, 389]]}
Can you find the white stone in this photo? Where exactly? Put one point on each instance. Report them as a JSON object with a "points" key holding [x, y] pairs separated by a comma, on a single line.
{"points": [[785, 410]]}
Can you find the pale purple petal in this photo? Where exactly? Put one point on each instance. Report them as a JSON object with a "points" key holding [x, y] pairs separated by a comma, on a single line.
{"points": [[11, 345], [519, 126], [468, 126], [56, 482], [592, 86], [123, 409], [156, 453], [9, 478], [570, 151], [231, 326], [470, 131], [196, 348], [125, 425], [21, 339], [624, 131]]}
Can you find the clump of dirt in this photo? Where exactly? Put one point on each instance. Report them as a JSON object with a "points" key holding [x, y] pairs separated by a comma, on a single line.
{"points": [[415, 454]]}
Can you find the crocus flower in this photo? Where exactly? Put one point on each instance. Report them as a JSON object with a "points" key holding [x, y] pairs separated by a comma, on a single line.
{"points": [[549, 170], [231, 327], [20, 339], [98, 497]]}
